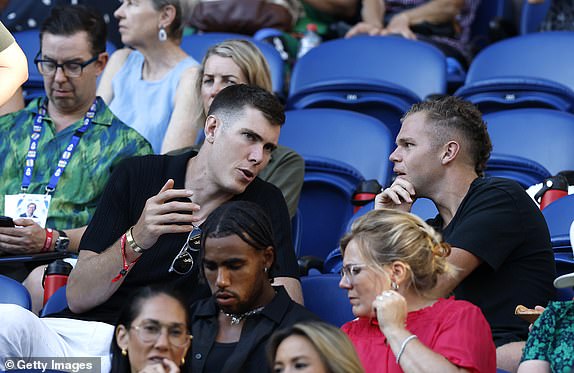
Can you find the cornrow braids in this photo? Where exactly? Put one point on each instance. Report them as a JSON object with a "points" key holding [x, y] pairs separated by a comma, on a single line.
{"points": [[244, 219]]}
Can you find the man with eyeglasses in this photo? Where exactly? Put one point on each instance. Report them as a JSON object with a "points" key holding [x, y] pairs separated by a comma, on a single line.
{"points": [[147, 227], [61, 149]]}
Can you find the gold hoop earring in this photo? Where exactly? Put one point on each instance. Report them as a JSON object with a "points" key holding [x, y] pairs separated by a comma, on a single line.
{"points": [[124, 352], [182, 360]]}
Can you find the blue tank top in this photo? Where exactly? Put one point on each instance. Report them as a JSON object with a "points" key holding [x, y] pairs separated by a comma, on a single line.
{"points": [[146, 106]]}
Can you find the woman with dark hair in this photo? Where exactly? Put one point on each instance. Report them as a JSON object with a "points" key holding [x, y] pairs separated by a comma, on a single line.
{"points": [[140, 343]]}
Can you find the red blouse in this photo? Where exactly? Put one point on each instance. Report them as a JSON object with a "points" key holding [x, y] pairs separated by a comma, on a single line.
{"points": [[455, 329]]}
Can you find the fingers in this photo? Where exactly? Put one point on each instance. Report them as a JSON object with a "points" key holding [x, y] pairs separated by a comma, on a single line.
{"points": [[401, 192], [171, 366], [168, 185], [363, 28], [25, 239]]}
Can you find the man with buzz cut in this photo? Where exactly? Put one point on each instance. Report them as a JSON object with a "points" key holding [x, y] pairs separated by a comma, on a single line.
{"points": [[148, 223], [500, 241]]}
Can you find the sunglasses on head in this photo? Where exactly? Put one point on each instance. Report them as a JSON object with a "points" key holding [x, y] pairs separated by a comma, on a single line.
{"points": [[183, 262]]}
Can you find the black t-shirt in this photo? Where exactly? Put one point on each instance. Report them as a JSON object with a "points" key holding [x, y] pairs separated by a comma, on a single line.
{"points": [[132, 183], [500, 224]]}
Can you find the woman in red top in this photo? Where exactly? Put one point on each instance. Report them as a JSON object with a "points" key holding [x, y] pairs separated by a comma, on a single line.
{"points": [[392, 261]]}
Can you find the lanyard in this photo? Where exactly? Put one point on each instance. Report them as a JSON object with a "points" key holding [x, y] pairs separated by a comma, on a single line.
{"points": [[66, 155]]}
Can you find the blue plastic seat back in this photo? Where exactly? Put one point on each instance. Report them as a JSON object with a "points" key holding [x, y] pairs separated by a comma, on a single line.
{"points": [[56, 303], [353, 138], [13, 292], [559, 216], [325, 205], [423, 208], [544, 55], [377, 59], [526, 71], [196, 46], [524, 171], [532, 16], [543, 135], [378, 76], [323, 297]]}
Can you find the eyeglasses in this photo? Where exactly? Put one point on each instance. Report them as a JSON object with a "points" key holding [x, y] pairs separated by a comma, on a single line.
{"points": [[183, 261], [150, 331], [351, 270], [71, 69]]}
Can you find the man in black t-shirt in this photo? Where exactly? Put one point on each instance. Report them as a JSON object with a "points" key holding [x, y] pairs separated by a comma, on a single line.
{"points": [[143, 230], [500, 241]]}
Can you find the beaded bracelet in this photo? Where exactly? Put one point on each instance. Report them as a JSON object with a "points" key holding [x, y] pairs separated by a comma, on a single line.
{"points": [[403, 345]]}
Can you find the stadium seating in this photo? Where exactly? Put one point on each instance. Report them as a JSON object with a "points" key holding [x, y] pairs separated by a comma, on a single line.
{"points": [[56, 303], [322, 296], [559, 216], [524, 171], [532, 16], [541, 135], [196, 45], [531, 70], [340, 148], [13, 292], [378, 76]]}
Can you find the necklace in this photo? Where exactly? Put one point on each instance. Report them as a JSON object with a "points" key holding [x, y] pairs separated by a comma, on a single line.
{"points": [[236, 318]]}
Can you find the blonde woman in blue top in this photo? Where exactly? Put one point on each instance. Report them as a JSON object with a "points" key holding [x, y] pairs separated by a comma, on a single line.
{"points": [[147, 87]]}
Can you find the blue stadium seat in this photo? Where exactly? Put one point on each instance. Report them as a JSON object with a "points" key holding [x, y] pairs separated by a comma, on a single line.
{"points": [[532, 16], [423, 208], [559, 216], [524, 171], [196, 45], [378, 76], [13, 292], [29, 41], [541, 135], [341, 148], [531, 70], [323, 297], [56, 303]]}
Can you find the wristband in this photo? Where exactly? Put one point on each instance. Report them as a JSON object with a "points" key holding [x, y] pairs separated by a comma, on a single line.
{"points": [[125, 266], [130, 240], [48, 240]]}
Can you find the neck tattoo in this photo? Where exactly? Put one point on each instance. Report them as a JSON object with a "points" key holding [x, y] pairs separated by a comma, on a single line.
{"points": [[237, 318]]}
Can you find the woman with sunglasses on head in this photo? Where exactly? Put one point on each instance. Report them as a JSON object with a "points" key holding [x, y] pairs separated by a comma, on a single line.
{"points": [[392, 261], [152, 334]]}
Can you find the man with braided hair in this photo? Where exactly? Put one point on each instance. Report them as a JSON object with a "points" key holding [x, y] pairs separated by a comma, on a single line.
{"points": [[500, 241]]}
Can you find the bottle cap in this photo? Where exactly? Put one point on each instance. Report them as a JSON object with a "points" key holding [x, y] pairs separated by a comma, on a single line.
{"points": [[59, 267], [312, 27]]}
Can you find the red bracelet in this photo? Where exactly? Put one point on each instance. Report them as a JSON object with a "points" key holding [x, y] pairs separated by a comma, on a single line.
{"points": [[48, 240], [126, 266]]}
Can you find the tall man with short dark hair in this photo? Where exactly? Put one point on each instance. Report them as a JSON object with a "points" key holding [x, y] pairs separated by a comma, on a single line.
{"points": [[143, 230], [501, 245]]}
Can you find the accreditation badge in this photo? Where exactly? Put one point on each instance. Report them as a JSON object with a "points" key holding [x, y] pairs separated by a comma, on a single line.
{"points": [[28, 206]]}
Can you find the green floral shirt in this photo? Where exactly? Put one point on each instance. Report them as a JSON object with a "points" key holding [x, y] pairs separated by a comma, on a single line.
{"points": [[552, 337], [106, 142]]}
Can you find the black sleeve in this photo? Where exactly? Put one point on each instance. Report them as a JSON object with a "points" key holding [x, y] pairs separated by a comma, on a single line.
{"points": [[270, 198], [116, 211], [491, 226]]}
